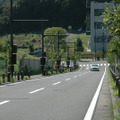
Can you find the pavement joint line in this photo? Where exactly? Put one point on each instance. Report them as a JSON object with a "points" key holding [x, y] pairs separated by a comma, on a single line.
{"points": [[93, 103], [37, 90], [67, 79], [56, 83], [6, 101]]}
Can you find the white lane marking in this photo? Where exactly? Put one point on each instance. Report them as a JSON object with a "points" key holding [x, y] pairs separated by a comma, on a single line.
{"points": [[1, 103], [3, 86], [36, 90], [101, 64], [92, 106], [56, 83], [75, 77], [104, 64], [14, 83], [67, 79]]}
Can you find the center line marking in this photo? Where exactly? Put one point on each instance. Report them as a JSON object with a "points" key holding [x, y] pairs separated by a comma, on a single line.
{"points": [[56, 83], [68, 79], [37, 90], [1, 103]]}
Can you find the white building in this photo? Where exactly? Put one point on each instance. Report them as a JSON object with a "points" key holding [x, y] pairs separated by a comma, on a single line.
{"points": [[99, 36]]}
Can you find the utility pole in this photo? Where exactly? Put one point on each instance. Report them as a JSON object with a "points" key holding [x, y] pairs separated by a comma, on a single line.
{"points": [[103, 44], [13, 47], [11, 40], [58, 61], [95, 40], [68, 58]]}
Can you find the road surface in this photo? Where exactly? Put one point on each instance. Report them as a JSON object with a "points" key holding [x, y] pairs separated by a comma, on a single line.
{"points": [[59, 97]]}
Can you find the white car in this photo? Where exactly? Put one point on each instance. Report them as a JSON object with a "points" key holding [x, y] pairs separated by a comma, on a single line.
{"points": [[94, 67]]}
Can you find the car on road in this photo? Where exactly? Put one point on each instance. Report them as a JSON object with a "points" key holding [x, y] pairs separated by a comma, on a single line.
{"points": [[94, 67]]}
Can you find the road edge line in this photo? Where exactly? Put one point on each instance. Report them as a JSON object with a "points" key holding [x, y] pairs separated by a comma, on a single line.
{"points": [[93, 103]]}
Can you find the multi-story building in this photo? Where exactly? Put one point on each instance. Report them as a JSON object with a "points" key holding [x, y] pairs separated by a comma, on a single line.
{"points": [[99, 36]]}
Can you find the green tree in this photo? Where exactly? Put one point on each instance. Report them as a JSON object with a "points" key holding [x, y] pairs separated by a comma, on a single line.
{"points": [[51, 42], [31, 48], [79, 45], [58, 12], [113, 49], [112, 19]]}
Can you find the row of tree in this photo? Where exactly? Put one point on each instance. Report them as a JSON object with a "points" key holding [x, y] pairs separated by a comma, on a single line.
{"points": [[112, 22], [61, 13]]}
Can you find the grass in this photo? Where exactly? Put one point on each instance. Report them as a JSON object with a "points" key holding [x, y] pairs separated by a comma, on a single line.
{"points": [[85, 39], [113, 84], [115, 94], [35, 39], [118, 103]]}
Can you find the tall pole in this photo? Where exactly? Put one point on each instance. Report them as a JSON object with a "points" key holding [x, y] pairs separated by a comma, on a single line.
{"points": [[42, 59], [103, 44], [58, 61], [11, 31], [68, 59], [95, 41]]}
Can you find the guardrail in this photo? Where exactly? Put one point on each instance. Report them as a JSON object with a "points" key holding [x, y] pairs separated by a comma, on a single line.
{"points": [[116, 80]]}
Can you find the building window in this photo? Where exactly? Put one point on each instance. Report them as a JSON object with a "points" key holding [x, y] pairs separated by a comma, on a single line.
{"points": [[98, 12], [99, 39], [98, 25]]}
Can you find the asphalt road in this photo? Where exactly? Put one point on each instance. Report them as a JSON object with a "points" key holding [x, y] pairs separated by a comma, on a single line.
{"points": [[60, 97]]}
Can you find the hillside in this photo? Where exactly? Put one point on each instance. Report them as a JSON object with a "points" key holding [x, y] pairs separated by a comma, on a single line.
{"points": [[59, 13], [35, 40], [3, 2]]}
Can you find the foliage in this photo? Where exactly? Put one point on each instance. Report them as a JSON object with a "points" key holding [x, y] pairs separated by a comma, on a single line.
{"points": [[79, 45], [74, 57], [58, 12], [84, 38], [113, 48], [52, 43], [31, 48], [112, 19]]}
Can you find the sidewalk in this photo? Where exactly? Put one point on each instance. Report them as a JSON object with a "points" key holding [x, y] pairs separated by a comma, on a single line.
{"points": [[104, 107]]}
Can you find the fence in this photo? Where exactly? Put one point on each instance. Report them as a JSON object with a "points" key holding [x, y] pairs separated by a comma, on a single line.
{"points": [[30, 65], [115, 71], [117, 80]]}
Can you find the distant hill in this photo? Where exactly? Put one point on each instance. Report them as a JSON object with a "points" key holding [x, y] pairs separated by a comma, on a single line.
{"points": [[60, 13], [3, 2]]}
